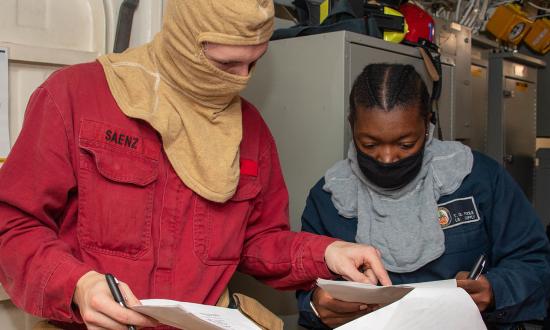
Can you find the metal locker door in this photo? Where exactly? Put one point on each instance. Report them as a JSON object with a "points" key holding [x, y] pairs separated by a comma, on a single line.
{"points": [[520, 132], [479, 107]]}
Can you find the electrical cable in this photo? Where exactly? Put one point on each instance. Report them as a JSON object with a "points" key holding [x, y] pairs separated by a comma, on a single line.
{"points": [[457, 12], [538, 7], [467, 13], [481, 16]]}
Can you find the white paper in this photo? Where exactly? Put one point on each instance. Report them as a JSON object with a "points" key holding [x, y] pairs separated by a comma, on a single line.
{"points": [[372, 294], [424, 309], [194, 316], [433, 284], [4, 106]]}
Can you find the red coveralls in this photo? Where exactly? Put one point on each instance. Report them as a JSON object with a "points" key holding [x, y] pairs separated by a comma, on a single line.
{"points": [[87, 188]]}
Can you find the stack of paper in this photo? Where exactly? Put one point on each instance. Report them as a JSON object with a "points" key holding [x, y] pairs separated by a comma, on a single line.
{"points": [[417, 306], [189, 316], [373, 294]]}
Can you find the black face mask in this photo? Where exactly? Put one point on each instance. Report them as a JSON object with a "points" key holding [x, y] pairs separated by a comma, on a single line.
{"points": [[390, 176]]}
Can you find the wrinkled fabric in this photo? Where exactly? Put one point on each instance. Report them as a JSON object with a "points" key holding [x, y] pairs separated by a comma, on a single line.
{"points": [[403, 224], [194, 106]]}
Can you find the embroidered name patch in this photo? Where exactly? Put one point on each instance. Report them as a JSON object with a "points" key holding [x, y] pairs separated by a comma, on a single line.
{"points": [[112, 136], [457, 212]]}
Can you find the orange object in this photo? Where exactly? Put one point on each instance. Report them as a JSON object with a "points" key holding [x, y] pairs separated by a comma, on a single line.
{"points": [[509, 24], [538, 38]]}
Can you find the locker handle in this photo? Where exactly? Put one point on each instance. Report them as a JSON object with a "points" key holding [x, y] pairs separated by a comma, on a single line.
{"points": [[508, 93]]}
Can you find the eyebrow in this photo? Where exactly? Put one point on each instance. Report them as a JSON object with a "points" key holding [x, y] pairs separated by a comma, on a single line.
{"points": [[404, 136]]}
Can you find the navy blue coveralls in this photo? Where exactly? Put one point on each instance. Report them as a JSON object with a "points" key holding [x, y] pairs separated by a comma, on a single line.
{"points": [[488, 214]]}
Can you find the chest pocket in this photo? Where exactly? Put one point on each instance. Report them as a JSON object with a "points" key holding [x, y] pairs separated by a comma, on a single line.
{"points": [[463, 226], [219, 229], [116, 190]]}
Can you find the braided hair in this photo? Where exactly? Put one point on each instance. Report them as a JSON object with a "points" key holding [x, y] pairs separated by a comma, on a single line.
{"points": [[388, 87]]}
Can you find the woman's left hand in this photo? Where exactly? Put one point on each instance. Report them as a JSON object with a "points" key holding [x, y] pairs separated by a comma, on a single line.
{"points": [[480, 290]]}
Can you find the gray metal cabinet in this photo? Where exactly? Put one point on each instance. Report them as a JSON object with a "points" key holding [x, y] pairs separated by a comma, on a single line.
{"points": [[543, 100], [480, 105], [520, 124], [301, 88], [512, 115], [454, 41]]}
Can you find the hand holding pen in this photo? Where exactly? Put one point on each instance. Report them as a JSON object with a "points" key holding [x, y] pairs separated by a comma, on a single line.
{"points": [[98, 308], [477, 285], [112, 282]]}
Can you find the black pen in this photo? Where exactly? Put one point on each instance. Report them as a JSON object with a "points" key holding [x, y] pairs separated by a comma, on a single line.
{"points": [[478, 268], [112, 282]]}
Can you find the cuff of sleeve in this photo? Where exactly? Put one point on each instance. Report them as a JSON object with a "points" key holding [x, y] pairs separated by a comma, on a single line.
{"points": [[500, 290], [317, 247], [308, 318], [61, 286], [507, 308], [501, 311]]}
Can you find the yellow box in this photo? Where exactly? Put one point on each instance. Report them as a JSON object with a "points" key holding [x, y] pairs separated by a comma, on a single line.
{"points": [[509, 24], [538, 38]]}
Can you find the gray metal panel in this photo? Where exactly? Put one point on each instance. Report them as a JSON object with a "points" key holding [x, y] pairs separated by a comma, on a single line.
{"points": [[542, 187], [456, 42], [543, 100], [520, 132], [480, 105], [512, 115], [519, 71], [520, 58], [447, 104], [495, 124], [299, 89], [372, 42]]}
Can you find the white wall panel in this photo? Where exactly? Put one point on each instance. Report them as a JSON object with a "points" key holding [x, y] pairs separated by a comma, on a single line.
{"points": [[53, 31], [45, 35]]}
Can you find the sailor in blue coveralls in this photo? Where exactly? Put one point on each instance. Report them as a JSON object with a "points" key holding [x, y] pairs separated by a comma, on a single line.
{"points": [[430, 207]]}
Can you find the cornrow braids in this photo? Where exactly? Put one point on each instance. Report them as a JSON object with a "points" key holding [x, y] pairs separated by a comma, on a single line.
{"points": [[371, 91], [387, 87], [400, 83]]}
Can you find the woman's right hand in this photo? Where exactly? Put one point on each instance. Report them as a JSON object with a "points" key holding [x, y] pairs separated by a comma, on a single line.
{"points": [[334, 312]]}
